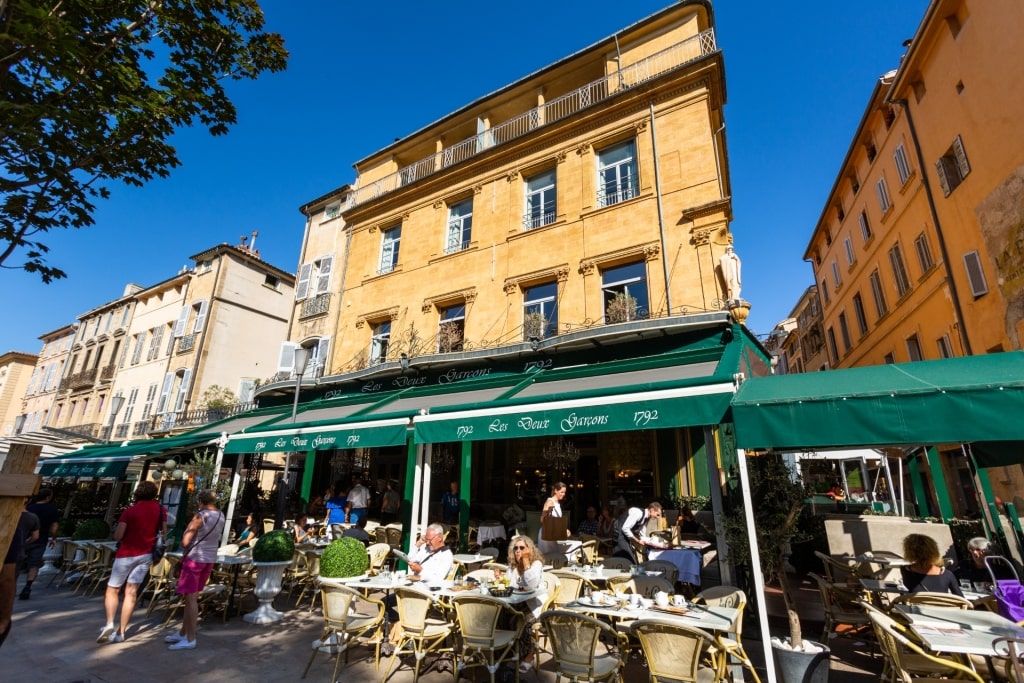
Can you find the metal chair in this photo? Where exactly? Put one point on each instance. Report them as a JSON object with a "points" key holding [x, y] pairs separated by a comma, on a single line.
{"points": [[675, 651], [420, 634], [347, 615], [574, 640], [482, 642], [731, 644]]}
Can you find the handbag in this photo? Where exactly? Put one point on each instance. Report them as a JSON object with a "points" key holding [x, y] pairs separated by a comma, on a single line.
{"points": [[158, 543], [177, 568]]}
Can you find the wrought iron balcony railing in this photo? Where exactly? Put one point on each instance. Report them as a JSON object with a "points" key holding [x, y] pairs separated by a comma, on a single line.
{"points": [[187, 342], [196, 417], [589, 95], [318, 305]]}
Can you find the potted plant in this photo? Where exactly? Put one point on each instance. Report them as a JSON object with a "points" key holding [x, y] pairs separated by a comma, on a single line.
{"points": [[272, 553], [345, 557], [622, 308], [91, 530], [534, 325], [217, 399], [778, 496]]}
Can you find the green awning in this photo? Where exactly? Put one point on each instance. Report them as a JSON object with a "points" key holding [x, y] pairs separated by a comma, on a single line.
{"points": [[111, 467], [659, 409], [112, 460], [953, 400], [367, 434]]}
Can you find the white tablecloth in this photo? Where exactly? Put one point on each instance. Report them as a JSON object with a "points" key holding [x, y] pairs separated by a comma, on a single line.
{"points": [[493, 532], [687, 561]]}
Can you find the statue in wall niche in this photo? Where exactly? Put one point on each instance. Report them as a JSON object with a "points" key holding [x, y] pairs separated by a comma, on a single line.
{"points": [[730, 264]]}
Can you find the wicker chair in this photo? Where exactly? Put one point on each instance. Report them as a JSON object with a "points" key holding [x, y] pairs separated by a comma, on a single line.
{"points": [[841, 607], [933, 599], [347, 615], [378, 553], [667, 569], [483, 643], [910, 663], [421, 634], [676, 652], [571, 586], [620, 563], [731, 641], [574, 640]]}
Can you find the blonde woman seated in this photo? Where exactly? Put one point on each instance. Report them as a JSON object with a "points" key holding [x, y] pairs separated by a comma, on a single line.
{"points": [[526, 572], [926, 572]]}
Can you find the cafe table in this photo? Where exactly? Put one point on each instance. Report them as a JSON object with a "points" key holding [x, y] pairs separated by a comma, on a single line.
{"points": [[881, 587], [234, 562], [490, 532], [470, 559], [707, 617], [956, 631], [599, 574]]}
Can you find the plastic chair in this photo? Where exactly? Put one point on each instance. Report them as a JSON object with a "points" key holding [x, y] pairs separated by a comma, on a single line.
{"points": [[574, 640], [421, 634], [675, 651], [483, 643], [731, 644], [347, 615]]}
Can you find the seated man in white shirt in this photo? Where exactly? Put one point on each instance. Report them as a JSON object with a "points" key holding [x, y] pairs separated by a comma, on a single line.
{"points": [[433, 560]]}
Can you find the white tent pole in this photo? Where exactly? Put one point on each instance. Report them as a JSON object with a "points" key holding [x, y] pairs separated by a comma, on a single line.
{"points": [[755, 564], [717, 507], [414, 522], [222, 441], [864, 477], [902, 505], [236, 481], [428, 467]]}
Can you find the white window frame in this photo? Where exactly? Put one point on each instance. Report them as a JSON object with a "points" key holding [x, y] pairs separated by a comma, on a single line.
{"points": [[157, 334], [944, 346], [314, 277], [540, 201], [459, 231], [183, 387], [140, 343], [618, 172], [835, 273], [449, 315], [913, 344], [380, 341], [390, 248], [902, 164], [924, 253], [165, 393], [878, 293], [851, 258], [201, 308], [286, 359], [952, 167], [182, 322], [547, 306]]}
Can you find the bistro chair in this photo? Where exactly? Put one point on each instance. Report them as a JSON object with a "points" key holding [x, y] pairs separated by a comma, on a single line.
{"points": [[588, 551], [378, 553], [620, 563], [910, 663], [839, 572], [161, 581], [347, 615], [311, 584], [676, 652], [647, 585], [394, 536], [570, 586], [731, 641], [101, 568], [668, 570], [575, 639], [71, 564], [482, 642], [841, 608], [420, 634], [489, 551], [551, 587], [933, 599]]}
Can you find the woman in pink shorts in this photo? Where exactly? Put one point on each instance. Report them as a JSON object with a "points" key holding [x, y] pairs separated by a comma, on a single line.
{"points": [[200, 540]]}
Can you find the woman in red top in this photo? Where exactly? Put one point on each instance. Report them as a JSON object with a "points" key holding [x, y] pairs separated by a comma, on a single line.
{"points": [[135, 533]]}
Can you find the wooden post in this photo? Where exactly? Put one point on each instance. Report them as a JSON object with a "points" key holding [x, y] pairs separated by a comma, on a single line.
{"points": [[17, 482]]}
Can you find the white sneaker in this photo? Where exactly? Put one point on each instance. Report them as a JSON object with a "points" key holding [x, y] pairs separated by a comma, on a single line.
{"points": [[183, 644], [174, 637], [105, 633], [117, 638]]}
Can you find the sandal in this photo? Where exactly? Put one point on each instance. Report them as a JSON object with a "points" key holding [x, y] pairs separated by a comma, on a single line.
{"points": [[524, 667]]}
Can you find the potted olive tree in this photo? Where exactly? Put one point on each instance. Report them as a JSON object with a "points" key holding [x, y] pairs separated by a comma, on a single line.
{"points": [[344, 558], [272, 553], [217, 399], [622, 308], [778, 496]]}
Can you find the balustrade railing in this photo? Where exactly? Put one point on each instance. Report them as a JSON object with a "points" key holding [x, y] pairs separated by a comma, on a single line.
{"points": [[319, 304]]}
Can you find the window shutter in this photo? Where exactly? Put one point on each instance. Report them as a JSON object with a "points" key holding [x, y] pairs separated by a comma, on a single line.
{"points": [[940, 170], [200, 316], [179, 327], [154, 345], [961, 157], [321, 358], [48, 381], [130, 407], [286, 361], [165, 392], [323, 280], [246, 390], [140, 342], [975, 274], [179, 401], [302, 287]]}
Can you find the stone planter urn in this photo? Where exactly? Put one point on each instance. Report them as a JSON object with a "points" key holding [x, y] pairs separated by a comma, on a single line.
{"points": [[52, 554], [269, 576]]}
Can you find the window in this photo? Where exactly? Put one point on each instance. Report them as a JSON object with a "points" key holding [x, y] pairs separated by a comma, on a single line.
{"points": [[865, 227], [924, 253], [451, 329], [380, 339], [899, 270], [200, 320], [858, 311], [945, 348], [540, 311], [140, 341], [154, 343], [902, 165], [835, 273], [314, 278], [914, 348], [540, 200], [854, 181], [129, 407], [147, 408], [204, 267], [824, 292], [390, 241], [848, 246], [125, 315], [332, 210], [247, 390], [883, 195], [625, 292], [889, 359], [844, 332], [975, 274], [617, 174], [460, 227], [272, 282], [952, 167], [878, 293], [833, 351], [316, 363]]}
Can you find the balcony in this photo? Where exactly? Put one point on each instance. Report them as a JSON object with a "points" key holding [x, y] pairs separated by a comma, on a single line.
{"points": [[318, 305], [80, 380], [196, 417], [108, 372], [187, 342], [586, 97]]}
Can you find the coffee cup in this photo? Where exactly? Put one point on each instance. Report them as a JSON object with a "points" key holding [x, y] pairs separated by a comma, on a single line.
{"points": [[678, 601]]}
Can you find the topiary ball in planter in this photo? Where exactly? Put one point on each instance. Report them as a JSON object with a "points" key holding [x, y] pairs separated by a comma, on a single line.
{"points": [[91, 530], [275, 546], [343, 558]]}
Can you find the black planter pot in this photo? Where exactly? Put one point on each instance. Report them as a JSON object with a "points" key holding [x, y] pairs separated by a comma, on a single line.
{"points": [[802, 667]]}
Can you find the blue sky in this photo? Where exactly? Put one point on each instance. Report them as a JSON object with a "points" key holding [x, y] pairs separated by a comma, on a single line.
{"points": [[798, 76]]}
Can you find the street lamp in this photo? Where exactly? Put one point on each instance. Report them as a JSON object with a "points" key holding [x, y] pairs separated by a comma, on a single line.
{"points": [[115, 407], [300, 360]]}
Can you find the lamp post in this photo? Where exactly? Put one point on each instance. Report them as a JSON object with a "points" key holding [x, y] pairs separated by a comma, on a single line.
{"points": [[115, 407], [301, 359]]}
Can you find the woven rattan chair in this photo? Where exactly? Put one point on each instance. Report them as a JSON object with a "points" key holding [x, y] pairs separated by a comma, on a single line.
{"points": [[421, 634], [575, 641], [482, 642], [619, 563], [571, 586], [933, 599], [840, 607], [347, 615], [668, 570], [731, 641], [676, 652], [378, 553], [907, 661]]}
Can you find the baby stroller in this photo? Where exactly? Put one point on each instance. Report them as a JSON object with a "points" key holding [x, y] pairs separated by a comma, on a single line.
{"points": [[1009, 593]]}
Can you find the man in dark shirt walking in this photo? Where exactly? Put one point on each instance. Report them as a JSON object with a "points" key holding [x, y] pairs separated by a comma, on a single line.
{"points": [[49, 523]]}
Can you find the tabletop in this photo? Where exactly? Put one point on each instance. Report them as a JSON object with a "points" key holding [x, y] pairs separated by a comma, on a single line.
{"points": [[947, 629], [490, 532], [593, 573], [701, 616], [467, 558], [880, 586]]}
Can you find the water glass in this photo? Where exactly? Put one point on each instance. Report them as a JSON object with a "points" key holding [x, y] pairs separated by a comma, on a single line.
{"points": [[965, 584]]}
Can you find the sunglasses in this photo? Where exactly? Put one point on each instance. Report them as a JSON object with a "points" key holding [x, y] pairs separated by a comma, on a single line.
{"points": [[519, 547]]}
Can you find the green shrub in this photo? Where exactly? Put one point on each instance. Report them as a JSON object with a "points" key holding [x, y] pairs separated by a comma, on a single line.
{"points": [[276, 546], [343, 558], [91, 530]]}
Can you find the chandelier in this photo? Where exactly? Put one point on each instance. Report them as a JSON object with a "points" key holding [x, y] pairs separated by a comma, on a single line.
{"points": [[561, 453], [443, 458]]}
